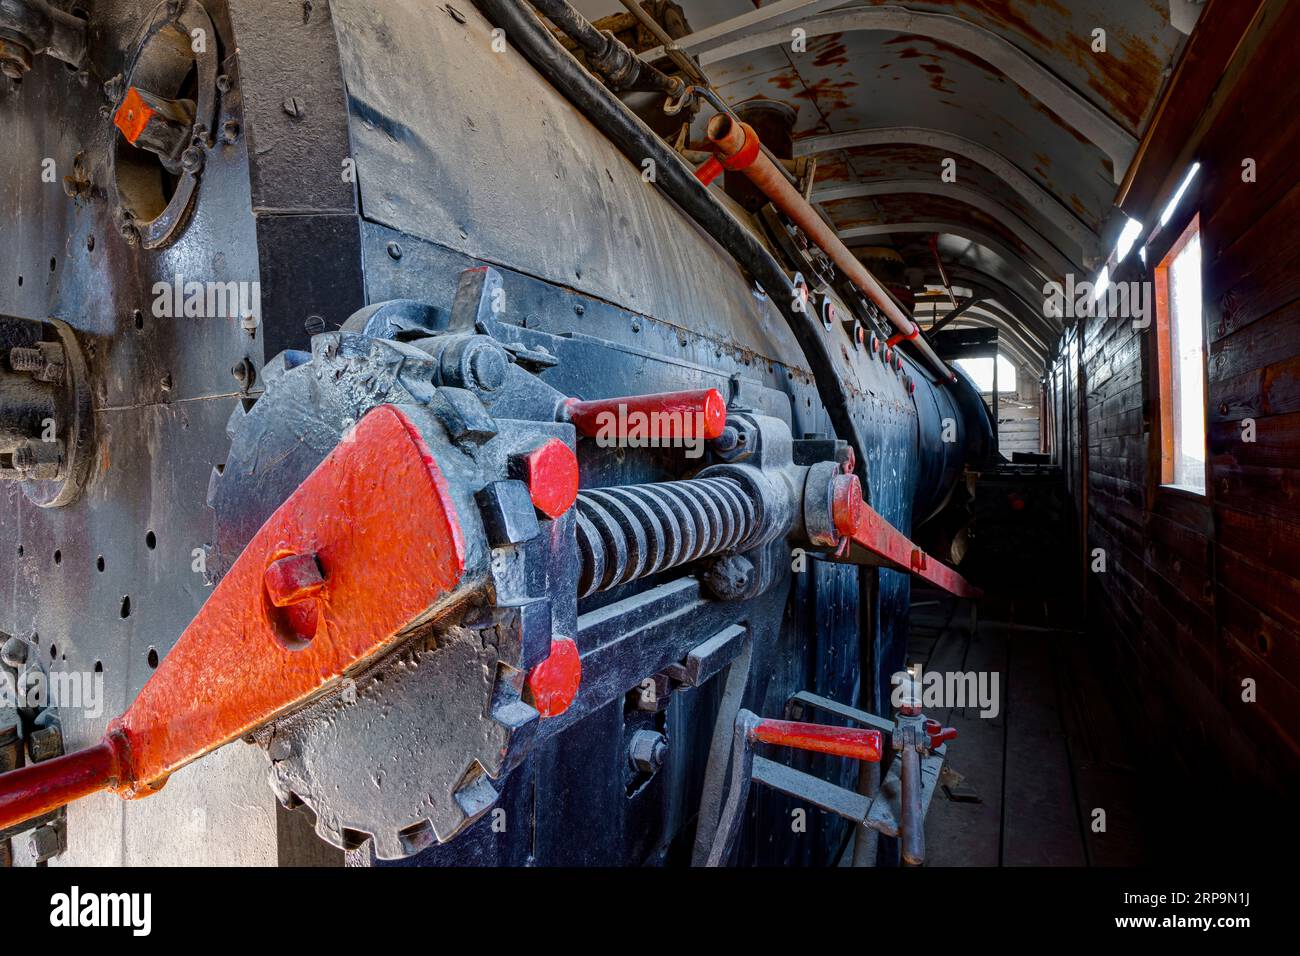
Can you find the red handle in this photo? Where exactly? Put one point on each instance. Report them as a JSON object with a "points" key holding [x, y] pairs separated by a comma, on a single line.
{"points": [[666, 415], [840, 741], [938, 733], [29, 792]]}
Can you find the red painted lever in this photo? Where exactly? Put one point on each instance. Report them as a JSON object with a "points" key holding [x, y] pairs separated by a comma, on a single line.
{"points": [[863, 526], [939, 734], [670, 415], [840, 741], [369, 544]]}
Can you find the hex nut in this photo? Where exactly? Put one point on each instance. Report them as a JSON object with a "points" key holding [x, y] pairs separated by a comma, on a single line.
{"points": [[647, 751]]}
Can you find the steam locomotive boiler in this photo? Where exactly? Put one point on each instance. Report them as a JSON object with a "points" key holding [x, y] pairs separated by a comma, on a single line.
{"points": [[395, 410]]}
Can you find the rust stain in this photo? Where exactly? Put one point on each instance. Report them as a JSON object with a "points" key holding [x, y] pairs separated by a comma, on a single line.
{"points": [[1127, 77], [942, 52], [833, 170], [829, 50], [827, 94], [1015, 15], [1130, 81], [938, 82]]}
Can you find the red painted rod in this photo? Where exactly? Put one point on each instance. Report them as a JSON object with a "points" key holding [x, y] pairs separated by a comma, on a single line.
{"points": [[38, 788], [862, 525], [667, 415], [840, 741], [733, 141], [709, 170]]}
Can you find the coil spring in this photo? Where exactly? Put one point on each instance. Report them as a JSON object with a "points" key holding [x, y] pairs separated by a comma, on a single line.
{"points": [[637, 530]]}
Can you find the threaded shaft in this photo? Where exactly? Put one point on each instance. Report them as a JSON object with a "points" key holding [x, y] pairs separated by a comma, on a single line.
{"points": [[23, 359], [639, 530]]}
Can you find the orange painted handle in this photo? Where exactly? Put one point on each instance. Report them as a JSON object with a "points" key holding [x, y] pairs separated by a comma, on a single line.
{"points": [[666, 415], [840, 741]]}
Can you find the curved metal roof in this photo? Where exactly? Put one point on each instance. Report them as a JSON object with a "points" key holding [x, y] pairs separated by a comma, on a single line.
{"points": [[1041, 122]]}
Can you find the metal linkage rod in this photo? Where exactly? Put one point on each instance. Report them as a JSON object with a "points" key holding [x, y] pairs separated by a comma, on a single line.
{"points": [[740, 150]]}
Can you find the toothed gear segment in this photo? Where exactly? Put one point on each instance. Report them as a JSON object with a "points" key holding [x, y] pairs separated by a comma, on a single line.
{"points": [[407, 752], [367, 762]]}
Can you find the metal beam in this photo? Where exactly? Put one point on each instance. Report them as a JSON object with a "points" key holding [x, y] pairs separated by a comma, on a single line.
{"points": [[1015, 332], [1034, 194], [1055, 267], [1034, 329], [1024, 231], [991, 311], [1045, 328], [955, 312], [771, 26], [1011, 337]]}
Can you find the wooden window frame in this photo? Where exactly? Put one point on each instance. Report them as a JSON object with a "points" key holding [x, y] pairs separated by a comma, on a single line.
{"points": [[1163, 372]]}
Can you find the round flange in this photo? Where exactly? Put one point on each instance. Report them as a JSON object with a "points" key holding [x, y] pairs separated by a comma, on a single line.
{"points": [[154, 202], [75, 409]]}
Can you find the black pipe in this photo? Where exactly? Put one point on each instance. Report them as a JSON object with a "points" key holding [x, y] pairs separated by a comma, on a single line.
{"points": [[606, 54], [638, 142]]}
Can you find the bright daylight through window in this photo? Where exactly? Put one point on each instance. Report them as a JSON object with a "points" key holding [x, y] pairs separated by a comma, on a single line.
{"points": [[1182, 364]]}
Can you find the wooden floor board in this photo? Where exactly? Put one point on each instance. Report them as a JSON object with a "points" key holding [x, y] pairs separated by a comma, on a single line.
{"points": [[1041, 819], [964, 833], [1054, 754]]}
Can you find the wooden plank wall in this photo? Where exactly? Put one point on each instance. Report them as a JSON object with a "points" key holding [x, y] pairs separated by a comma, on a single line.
{"points": [[1201, 594]]}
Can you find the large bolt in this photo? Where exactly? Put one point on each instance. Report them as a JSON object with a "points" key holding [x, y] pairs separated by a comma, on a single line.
{"points": [[647, 751], [730, 578], [38, 460], [45, 743], [14, 652], [293, 580], [192, 160], [23, 359], [551, 473], [487, 367], [45, 843], [43, 361], [728, 440]]}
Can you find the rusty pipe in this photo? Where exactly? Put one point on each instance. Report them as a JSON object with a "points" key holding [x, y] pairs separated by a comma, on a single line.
{"points": [[738, 145]]}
